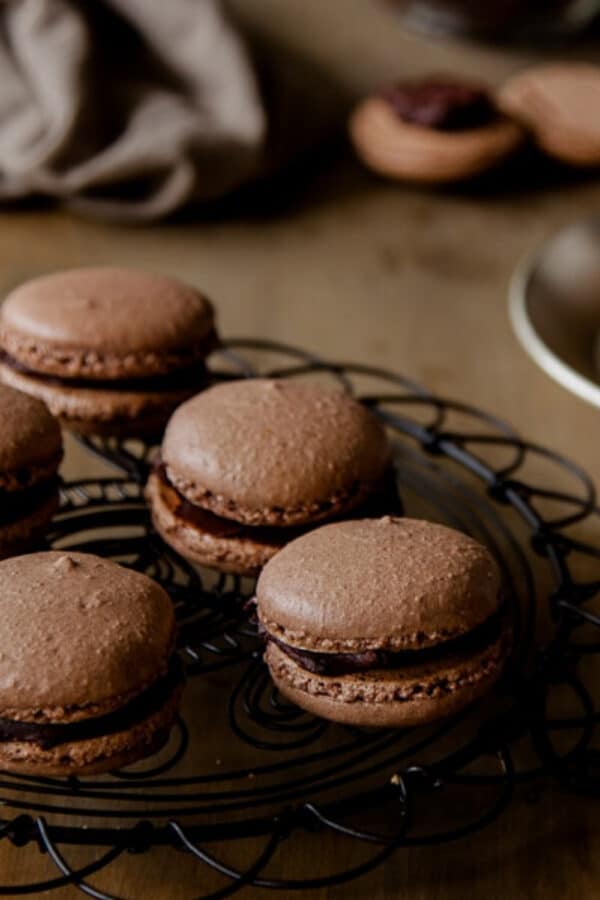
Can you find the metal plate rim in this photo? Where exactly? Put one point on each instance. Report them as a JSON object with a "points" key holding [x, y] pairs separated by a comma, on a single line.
{"points": [[529, 338]]}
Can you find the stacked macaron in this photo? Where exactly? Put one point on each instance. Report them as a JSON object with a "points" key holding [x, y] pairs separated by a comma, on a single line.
{"points": [[88, 677], [389, 622], [248, 465], [109, 350], [30, 454]]}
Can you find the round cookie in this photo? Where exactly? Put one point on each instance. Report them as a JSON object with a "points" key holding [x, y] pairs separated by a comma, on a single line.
{"points": [[559, 104], [88, 679], [247, 464], [30, 455], [383, 622], [434, 131], [109, 350]]}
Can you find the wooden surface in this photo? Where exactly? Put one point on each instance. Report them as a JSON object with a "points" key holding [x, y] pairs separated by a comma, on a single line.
{"points": [[358, 269]]}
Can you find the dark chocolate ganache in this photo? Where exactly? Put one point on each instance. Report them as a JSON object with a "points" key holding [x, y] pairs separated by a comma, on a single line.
{"points": [[188, 377], [348, 663], [48, 735], [441, 105], [15, 505], [384, 501]]}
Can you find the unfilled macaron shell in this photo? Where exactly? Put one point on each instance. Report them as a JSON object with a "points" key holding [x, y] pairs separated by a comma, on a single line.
{"points": [[387, 583], [401, 150], [274, 452], [560, 104]]}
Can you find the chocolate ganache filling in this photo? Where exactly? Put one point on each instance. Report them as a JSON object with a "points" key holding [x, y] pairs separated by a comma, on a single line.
{"points": [[441, 105], [478, 638], [15, 505], [190, 376], [49, 735], [385, 500]]}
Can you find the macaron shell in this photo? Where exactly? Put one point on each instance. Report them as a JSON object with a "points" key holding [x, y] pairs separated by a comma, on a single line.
{"points": [[19, 479], [274, 452], [104, 322], [94, 756], [237, 554], [96, 411], [388, 583], [80, 636], [19, 536], [428, 692], [408, 152], [30, 440], [558, 102]]}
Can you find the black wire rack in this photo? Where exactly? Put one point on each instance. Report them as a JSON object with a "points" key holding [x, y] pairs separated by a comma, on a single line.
{"points": [[244, 765]]}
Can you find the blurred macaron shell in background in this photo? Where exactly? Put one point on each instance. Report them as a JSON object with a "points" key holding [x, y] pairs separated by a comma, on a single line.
{"points": [[558, 103], [432, 131]]}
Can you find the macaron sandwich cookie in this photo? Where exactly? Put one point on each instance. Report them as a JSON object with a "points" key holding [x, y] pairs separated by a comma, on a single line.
{"points": [[30, 454], [433, 131], [109, 350], [383, 622], [248, 465], [88, 679]]}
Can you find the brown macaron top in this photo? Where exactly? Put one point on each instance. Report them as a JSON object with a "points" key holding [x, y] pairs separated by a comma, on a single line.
{"points": [[559, 103], [274, 452], [389, 583], [30, 440], [80, 636], [105, 323]]}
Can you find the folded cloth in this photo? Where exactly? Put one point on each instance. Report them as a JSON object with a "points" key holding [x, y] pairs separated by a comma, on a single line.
{"points": [[126, 109]]}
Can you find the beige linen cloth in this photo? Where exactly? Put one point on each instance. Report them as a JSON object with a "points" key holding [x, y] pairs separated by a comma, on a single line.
{"points": [[125, 109]]}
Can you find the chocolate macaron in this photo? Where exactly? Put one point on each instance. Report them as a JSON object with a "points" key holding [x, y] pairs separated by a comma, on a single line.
{"points": [[247, 465], [109, 350], [88, 679], [30, 454], [384, 622], [560, 104], [433, 131]]}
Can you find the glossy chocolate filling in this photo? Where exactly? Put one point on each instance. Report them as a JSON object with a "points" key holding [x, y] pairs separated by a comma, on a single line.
{"points": [[349, 663], [441, 105], [384, 501], [189, 376], [15, 505], [141, 707]]}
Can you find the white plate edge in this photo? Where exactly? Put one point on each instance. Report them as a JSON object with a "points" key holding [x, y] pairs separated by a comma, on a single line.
{"points": [[533, 345]]}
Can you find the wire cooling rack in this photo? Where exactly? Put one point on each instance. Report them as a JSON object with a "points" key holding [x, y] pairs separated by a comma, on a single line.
{"points": [[242, 764]]}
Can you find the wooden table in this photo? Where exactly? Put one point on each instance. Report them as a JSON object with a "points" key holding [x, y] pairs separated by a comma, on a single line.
{"points": [[359, 269]]}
